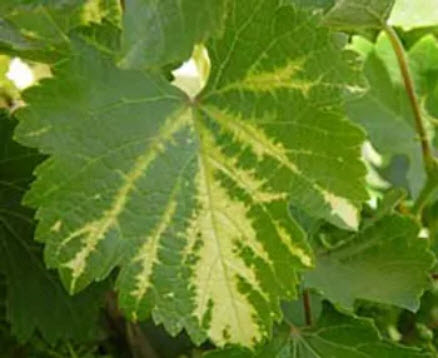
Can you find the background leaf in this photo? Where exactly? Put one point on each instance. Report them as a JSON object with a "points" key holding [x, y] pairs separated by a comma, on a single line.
{"points": [[335, 335], [409, 14], [385, 108], [357, 14], [386, 262], [38, 30], [51, 311]]}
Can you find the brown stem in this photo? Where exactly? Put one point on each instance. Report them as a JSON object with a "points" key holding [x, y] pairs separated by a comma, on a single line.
{"points": [[307, 307], [139, 343], [410, 89], [127, 335]]}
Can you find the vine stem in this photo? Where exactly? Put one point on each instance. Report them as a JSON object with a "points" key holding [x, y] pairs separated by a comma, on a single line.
{"points": [[430, 163], [307, 307], [410, 88], [127, 334]]}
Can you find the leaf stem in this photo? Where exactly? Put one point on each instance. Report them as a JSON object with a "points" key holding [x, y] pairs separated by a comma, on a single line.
{"points": [[138, 342], [430, 162], [307, 307], [399, 50]]}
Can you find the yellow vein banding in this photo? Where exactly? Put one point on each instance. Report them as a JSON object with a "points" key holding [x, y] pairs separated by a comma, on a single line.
{"points": [[284, 77], [220, 222], [247, 132], [295, 250], [246, 180], [94, 232], [148, 254]]}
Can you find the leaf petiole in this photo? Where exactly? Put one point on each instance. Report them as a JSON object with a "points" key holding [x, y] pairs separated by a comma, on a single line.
{"points": [[430, 162]]}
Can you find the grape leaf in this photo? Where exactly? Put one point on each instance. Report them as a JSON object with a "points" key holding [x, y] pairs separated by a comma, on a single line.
{"points": [[52, 311], [431, 218], [39, 30], [11, 37], [335, 335], [410, 14], [423, 58], [385, 263], [385, 108], [190, 195], [161, 32], [311, 4], [358, 14]]}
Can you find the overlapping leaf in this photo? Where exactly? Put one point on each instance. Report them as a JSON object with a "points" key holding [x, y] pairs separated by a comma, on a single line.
{"points": [[38, 30], [386, 109], [51, 310], [161, 32], [335, 335], [357, 14], [386, 263], [190, 195]]}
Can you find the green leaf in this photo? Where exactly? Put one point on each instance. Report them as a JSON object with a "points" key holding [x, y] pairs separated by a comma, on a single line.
{"points": [[413, 14], [384, 109], [423, 58], [39, 30], [11, 37], [161, 32], [387, 205], [424, 65], [190, 195], [386, 262], [357, 14], [335, 335], [36, 299], [311, 4], [431, 218]]}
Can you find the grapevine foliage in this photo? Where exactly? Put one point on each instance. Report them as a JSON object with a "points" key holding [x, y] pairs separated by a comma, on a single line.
{"points": [[213, 206]]}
